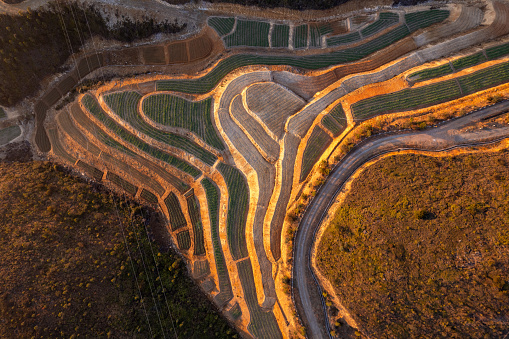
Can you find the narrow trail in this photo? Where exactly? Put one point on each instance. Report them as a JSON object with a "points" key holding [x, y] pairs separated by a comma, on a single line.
{"points": [[306, 290]]}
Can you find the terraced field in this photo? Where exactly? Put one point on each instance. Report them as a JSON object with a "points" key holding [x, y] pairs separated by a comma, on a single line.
{"points": [[240, 127]]}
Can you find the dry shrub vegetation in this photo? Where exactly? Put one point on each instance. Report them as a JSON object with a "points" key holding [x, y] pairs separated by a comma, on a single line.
{"points": [[420, 247], [66, 272]]}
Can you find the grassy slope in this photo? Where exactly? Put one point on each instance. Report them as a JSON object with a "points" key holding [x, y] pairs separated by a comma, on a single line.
{"points": [[420, 247], [65, 270]]}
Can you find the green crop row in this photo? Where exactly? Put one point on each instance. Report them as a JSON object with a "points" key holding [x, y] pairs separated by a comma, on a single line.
{"points": [[386, 19], [123, 184], [343, 39], [194, 213], [149, 196], [93, 107], [407, 99], [318, 141], [212, 193], [484, 78], [177, 218], [498, 51], [184, 240], [431, 73], [238, 205], [423, 19], [314, 36], [125, 105], [468, 61], [262, 324], [222, 26], [249, 33], [171, 110], [225, 66], [332, 125], [280, 35], [300, 36]]}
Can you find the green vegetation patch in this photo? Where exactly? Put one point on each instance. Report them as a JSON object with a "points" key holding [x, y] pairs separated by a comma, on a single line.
{"points": [[93, 107], [212, 193], [423, 19], [343, 39], [194, 213], [498, 51], [225, 66], [385, 20], [280, 35], [468, 61], [238, 206], [420, 247], [149, 196], [177, 218], [171, 110], [431, 73], [300, 36], [484, 78], [249, 33], [407, 99], [184, 240], [67, 270], [222, 26], [125, 105], [317, 143]]}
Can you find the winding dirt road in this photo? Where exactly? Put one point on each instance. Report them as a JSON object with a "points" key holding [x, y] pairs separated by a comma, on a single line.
{"points": [[306, 290]]}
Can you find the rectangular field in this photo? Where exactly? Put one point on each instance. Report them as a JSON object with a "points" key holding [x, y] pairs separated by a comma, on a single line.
{"points": [[184, 240], [431, 73], [221, 25], [121, 183], [177, 218], [300, 36], [280, 36], [249, 33]]}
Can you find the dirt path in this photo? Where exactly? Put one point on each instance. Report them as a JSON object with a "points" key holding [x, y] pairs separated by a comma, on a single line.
{"points": [[307, 292]]}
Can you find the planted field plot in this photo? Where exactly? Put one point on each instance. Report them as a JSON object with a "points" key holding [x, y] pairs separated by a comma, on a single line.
{"points": [[314, 36], [406, 99], [249, 33], [57, 148], [300, 36], [468, 61], [124, 56], [121, 183], [184, 240], [154, 55], [335, 120], [254, 129], [41, 137], [193, 208], [148, 196], [90, 170], [177, 52], [171, 110], [88, 64], [93, 129], [201, 269], [199, 48], [262, 324], [125, 105], [66, 124], [93, 107], [496, 52], [177, 218], [2, 113], [273, 104], [484, 78], [431, 73], [209, 81], [385, 20], [235, 311], [52, 97], [222, 26], [213, 197], [238, 206], [316, 145], [280, 36], [8, 134], [423, 19], [343, 39]]}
